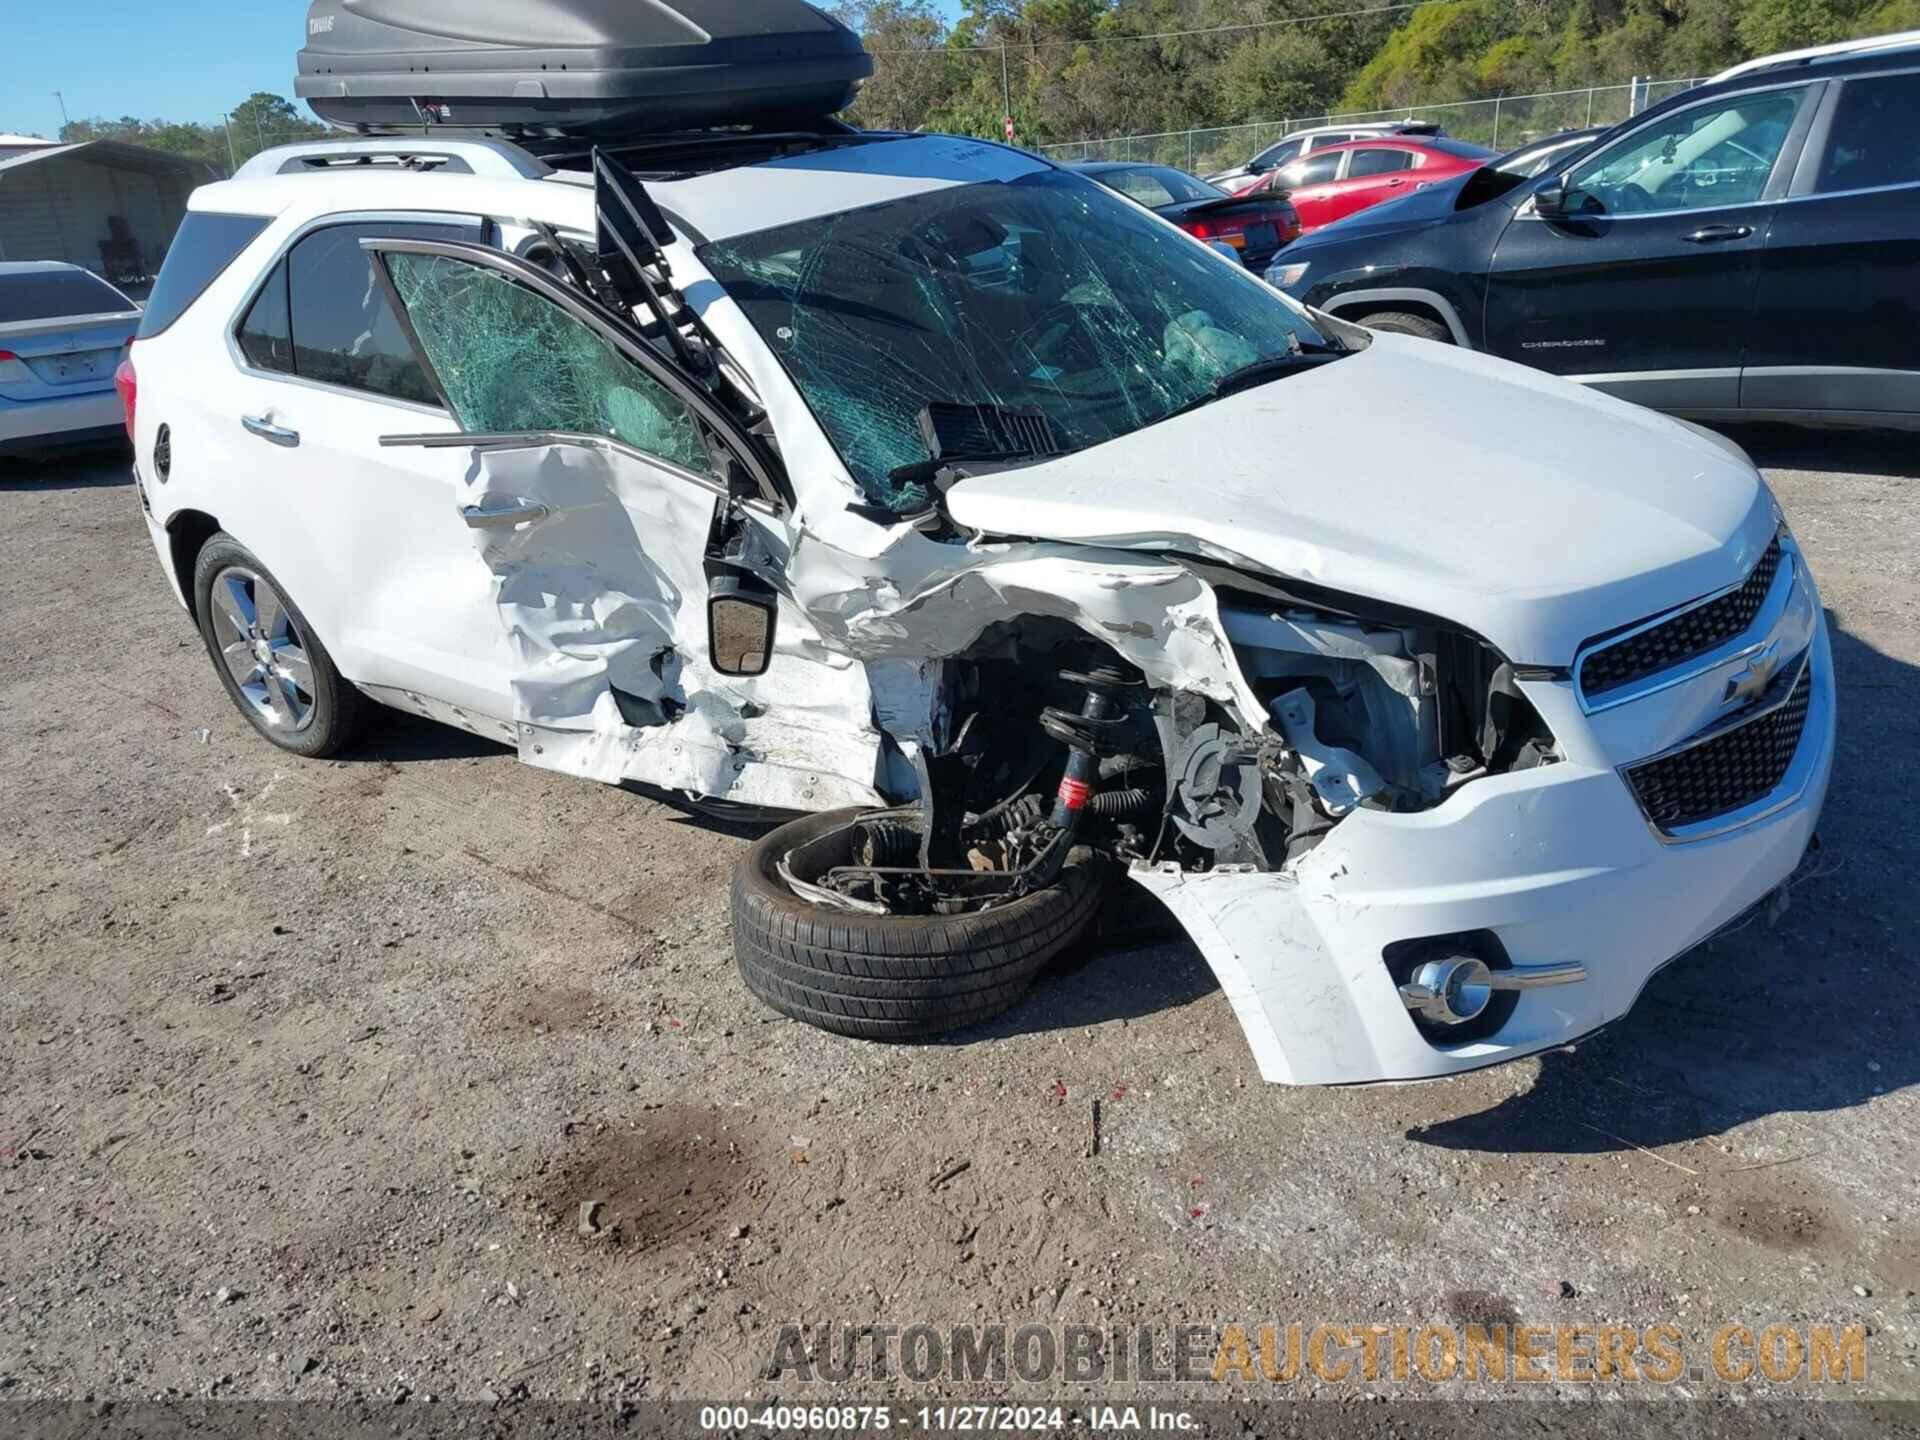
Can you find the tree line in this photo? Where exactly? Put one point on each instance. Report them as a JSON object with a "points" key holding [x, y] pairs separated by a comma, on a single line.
{"points": [[1083, 69], [1069, 70], [257, 123]]}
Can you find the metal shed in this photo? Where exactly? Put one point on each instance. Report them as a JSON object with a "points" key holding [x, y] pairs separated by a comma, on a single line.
{"points": [[108, 206]]}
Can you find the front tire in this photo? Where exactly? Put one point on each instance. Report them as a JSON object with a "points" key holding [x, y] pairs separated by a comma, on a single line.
{"points": [[1400, 322], [895, 977], [274, 667]]}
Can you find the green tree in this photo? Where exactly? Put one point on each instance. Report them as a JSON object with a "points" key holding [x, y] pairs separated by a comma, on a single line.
{"points": [[264, 120], [256, 123]]}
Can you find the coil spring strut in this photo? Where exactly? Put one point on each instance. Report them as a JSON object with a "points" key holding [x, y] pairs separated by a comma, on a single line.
{"points": [[1087, 736]]}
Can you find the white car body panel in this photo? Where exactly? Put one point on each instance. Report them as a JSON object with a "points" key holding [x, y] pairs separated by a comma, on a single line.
{"points": [[1519, 507], [1522, 531]]}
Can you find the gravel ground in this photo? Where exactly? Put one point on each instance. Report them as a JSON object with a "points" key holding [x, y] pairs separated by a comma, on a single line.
{"points": [[309, 1068]]}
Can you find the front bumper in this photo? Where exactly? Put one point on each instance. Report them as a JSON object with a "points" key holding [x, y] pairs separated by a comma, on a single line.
{"points": [[1559, 863]]}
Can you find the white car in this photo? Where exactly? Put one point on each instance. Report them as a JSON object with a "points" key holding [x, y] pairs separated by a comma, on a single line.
{"points": [[1020, 544]]}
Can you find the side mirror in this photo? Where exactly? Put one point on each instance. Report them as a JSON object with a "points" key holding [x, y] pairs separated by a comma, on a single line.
{"points": [[742, 615], [1259, 167], [1220, 247], [1550, 199]]}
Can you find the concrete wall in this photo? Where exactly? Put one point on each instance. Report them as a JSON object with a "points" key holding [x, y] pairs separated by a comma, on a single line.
{"points": [[57, 209]]}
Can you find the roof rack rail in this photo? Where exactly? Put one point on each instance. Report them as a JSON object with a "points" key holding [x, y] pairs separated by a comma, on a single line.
{"points": [[1894, 41], [489, 159]]}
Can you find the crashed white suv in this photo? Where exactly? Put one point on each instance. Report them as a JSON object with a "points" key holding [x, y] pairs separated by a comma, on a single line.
{"points": [[1019, 543]]}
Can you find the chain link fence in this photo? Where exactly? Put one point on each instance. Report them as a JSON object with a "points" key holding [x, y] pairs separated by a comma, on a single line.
{"points": [[1500, 124]]}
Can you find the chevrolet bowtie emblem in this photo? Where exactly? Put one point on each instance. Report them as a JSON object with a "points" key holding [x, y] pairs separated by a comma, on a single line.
{"points": [[1752, 682]]}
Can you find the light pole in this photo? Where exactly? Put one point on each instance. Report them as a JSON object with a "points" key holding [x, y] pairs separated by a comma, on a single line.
{"points": [[64, 121]]}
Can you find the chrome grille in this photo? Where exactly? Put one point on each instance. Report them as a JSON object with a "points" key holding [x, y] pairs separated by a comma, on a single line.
{"points": [[1688, 635], [1730, 770]]}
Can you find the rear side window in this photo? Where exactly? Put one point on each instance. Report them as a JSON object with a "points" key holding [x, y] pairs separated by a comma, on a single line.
{"points": [[266, 335], [342, 328], [1141, 185], [53, 294], [1876, 135], [1378, 162], [204, 247]]}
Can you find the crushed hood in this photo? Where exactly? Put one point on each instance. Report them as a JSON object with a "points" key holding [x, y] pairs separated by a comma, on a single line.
{"points": [[1519, 506]]}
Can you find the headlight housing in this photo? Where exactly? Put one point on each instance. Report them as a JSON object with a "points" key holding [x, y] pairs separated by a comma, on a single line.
{"points": [[1285, 277]]}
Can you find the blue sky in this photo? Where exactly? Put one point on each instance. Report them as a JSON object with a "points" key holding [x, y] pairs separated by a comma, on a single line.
{"points": [[180, 61]]}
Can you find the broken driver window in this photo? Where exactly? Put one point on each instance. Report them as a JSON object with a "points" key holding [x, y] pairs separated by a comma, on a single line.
{"points": [[515, 363], [1048, 292]]}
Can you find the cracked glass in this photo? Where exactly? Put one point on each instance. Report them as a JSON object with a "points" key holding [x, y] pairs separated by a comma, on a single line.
{"points": [[1047, 292], [514, 363]]}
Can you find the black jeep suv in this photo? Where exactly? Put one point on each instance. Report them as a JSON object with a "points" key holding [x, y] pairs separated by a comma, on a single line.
{"points": [[1748, 250]]}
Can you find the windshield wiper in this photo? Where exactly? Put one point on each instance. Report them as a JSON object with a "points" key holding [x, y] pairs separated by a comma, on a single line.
{"points": [[1300, 356], [1258, 372]]}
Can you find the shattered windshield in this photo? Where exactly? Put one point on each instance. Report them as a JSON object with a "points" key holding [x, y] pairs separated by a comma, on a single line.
{"points": [[1043, 293]]}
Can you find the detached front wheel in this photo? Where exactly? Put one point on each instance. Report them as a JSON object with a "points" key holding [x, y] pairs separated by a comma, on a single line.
{"points": [[891, 977]]}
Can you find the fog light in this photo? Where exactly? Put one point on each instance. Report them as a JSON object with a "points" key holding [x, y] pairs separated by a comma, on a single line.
{"points": [[1455, 990]]}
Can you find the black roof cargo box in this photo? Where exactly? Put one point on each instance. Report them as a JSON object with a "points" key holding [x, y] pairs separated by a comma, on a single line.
{"points": [[585, 69]]}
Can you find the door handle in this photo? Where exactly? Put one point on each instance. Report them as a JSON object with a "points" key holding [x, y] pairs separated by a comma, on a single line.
{"points": [[502, 519], [270, 432], [1392, 183], [1716, 234]]}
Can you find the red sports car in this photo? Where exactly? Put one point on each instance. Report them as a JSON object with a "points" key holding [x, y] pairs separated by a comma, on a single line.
{"points": [[1332, 183]]}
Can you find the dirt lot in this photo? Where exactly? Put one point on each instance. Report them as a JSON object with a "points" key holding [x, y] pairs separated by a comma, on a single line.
{"points": [[309, 1068]]}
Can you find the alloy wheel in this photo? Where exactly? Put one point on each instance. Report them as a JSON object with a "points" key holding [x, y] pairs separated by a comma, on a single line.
{"points": [[263, 648]]}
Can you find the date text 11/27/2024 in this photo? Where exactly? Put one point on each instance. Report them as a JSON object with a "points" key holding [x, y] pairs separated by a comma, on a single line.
{"points": [[941, 1419]]}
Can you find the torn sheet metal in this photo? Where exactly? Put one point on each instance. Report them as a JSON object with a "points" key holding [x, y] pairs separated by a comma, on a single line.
{"points": [[594, 603], [1156, 613], [597, 598]]}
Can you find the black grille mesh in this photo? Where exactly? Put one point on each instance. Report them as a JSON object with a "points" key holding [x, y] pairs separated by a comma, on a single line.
{"points": [[1692, 633], [1721, 775]]}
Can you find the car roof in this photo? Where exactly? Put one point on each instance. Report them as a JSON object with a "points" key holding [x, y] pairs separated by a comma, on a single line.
{"points": [[715, 205], [38, 267], [1395, 142], [1562, 137], [1900, 53], [1384, 127], [1872, 49]]}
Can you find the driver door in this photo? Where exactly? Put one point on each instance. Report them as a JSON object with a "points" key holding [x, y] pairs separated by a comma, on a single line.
{"points": [[592, 495], [1645, 286]]}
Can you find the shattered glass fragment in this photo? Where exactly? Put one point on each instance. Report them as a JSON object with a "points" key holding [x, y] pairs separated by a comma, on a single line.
{"points": [[515, 363]]}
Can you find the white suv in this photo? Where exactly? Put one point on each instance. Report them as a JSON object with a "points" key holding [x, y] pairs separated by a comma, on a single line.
{"points": [[1014, 540]]}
